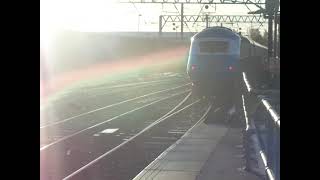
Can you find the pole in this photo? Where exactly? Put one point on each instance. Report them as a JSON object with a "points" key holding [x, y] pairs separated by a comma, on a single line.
{"points": [[139, 22], [160, 25], [270, 13], [275, 35], [176, 32], [269, 37], [181, 20], [279, 38], [276, 4], [207, 21]]}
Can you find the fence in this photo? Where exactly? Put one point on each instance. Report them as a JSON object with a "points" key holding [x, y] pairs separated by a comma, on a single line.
{"points": [[262, 124]]}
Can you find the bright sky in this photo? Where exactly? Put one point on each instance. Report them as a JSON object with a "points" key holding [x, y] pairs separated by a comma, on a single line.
{"points": [[107, 15]]}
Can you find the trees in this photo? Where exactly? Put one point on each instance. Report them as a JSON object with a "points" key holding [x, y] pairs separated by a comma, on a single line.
{"points": [[255, 35]]}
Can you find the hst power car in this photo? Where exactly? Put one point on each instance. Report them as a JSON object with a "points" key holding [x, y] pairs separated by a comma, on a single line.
{"points": [[213, 60]]}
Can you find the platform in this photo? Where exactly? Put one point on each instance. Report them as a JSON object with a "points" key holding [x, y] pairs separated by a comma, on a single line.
{"points": [[208, 151]]}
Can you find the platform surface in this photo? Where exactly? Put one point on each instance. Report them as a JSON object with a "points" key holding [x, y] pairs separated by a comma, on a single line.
{"points": [[208, 151]]}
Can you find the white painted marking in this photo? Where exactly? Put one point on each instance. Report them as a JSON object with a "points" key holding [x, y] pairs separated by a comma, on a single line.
{"points": [[109, 131], [176, 132]]}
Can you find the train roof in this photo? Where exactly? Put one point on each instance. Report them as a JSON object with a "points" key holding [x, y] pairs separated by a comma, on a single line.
{"points": [[260, 45], [252, 42], [216, 31]]}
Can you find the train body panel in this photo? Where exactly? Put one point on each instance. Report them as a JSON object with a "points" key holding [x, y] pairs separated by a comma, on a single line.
{"points": [[254, 63], [246, 48], [250, 48]]}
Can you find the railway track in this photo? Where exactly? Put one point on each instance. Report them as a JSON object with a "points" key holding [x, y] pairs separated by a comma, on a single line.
{"points": [[109, 106], [75, 147], [61, 149], [127, 159], [66, 133], [82, 101], [55, 130]]}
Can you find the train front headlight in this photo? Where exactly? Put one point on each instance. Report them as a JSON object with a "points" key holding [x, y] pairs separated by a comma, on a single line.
{"points": [[193, 67]]}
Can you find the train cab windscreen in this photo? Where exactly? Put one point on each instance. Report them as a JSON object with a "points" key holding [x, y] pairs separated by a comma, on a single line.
{"points": [[214, 47]]}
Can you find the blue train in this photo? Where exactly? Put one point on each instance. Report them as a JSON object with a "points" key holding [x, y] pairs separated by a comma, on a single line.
{"points": [[216, 60]]}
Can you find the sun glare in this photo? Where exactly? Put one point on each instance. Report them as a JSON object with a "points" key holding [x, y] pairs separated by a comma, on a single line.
{"points": [[83, 15]]}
